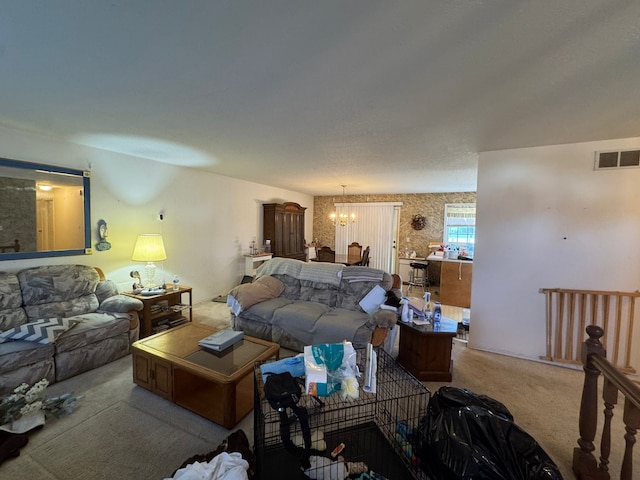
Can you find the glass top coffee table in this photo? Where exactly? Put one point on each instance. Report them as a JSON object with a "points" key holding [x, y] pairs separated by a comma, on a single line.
{"points": [[217, 386]]}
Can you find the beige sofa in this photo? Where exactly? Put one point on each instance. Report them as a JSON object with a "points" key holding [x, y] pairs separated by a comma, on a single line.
{"points": [[100, 324]]}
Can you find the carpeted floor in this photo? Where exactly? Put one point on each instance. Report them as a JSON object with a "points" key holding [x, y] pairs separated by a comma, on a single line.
{"points": [[120, 430]]}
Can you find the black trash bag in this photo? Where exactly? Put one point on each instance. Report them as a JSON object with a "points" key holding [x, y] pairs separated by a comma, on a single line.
{"points": [[452, 397], [468, 436]]}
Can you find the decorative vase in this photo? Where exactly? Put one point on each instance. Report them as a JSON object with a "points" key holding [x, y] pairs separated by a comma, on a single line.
{"points": [[25, 423]]}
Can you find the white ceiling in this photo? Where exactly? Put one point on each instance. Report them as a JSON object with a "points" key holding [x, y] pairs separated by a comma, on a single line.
{"points": [[393, 97]]}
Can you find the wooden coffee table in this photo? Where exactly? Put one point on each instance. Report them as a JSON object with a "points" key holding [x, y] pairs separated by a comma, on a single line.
{"points": [[216, 386]]}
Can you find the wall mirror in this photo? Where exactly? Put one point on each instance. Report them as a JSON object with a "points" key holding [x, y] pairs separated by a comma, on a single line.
{"points": [[44, 211]]}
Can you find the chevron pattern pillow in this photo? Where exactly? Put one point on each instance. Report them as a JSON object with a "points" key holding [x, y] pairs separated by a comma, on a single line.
{"points": [[43, 331]]}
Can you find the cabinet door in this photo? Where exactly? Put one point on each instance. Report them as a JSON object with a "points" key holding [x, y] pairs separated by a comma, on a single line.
{"points": [[293, 235], [284, 226], [153, 374], [455, 284], [297, 234], [278, 234], [142, 370], [162, 379], [287, 232]]}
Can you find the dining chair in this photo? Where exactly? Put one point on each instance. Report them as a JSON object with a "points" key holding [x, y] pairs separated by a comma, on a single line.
{"points": [[354, 253], [365, 257], [325, 254]]}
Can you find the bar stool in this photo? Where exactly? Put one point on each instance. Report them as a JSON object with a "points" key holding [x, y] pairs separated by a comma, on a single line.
{"points": [[418, 276]]}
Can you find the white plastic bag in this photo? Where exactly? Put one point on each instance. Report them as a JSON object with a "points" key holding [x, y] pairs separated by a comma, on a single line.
{"points": [[329, 368]]}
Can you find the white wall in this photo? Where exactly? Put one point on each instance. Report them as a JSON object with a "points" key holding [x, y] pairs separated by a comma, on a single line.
{"points": [[546, 219], [209, 220]]}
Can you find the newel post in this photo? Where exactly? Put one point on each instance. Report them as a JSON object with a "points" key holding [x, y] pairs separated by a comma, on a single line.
{"points": [[584, 463]]}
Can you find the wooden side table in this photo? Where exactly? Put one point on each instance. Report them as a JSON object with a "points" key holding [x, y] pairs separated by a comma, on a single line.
{"points": [[427, 353], [252, 262], [162, 309]]}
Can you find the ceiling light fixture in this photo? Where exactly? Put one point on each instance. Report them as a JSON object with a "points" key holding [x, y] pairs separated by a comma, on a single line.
{"points": [[342, 217]]}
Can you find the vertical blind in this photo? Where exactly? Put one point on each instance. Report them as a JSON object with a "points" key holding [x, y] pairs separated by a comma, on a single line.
{"points": [[373, 228]]}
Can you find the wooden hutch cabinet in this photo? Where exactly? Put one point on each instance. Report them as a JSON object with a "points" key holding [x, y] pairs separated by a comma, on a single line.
{"points": [[284, 226]]}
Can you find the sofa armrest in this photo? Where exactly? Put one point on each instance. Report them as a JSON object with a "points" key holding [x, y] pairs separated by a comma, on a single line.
{"points": [[121, 304], [134, 326], [383, 318], [383, 321], [125, 304]]}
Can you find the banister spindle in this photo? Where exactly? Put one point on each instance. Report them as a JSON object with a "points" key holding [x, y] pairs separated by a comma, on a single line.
{"points": [[610, 397], [583, 459], [631, 420]]}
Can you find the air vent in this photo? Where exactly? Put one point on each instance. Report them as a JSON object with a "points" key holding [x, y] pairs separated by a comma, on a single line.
{"points": [[617, 159]]}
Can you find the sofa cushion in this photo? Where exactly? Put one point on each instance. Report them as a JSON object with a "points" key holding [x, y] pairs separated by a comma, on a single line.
{"points": [[91, 328], [57, 283], [70, 308], [44, 331], [10, 295], [351, 293], [291, 286], [299, 319], [12, 318], [318, 292], [340, 324], [17, 354], [11, 312], [263, 311]]}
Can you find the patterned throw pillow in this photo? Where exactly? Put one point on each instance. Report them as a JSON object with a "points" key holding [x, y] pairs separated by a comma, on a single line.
{"points": [[43, 331]]}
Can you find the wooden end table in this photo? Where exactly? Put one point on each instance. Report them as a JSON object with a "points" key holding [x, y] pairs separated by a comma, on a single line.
{"points": [[427, 353], [153, 316], [216, 386]]}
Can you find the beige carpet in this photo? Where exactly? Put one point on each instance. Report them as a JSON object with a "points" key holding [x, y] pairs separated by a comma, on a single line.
{"points": [[544, 399], [118, 430], [122, 431]]}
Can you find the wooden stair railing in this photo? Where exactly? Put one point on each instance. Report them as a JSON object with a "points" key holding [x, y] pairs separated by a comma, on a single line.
{"points": [[568, 312], [585, 465]]}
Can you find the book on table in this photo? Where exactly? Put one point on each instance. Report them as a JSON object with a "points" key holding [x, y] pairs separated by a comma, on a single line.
{"points": [[221, 340]]}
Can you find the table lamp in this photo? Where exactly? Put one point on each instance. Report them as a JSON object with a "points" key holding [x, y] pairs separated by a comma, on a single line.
{"points": [[149, 248]]}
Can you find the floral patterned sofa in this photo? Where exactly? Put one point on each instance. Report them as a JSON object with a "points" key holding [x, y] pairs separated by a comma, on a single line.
{"points": [[58, 321]]}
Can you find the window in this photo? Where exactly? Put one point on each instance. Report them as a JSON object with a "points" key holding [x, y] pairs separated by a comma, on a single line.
{"points": [[460, 225]]}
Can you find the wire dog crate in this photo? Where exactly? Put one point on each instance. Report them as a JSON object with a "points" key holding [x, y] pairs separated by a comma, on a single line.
{"points": [[375, 428]]}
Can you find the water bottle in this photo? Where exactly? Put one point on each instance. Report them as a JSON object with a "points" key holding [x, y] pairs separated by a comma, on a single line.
{"points": [[406, 315], [437, 316], [176, 283], [427, 306]]}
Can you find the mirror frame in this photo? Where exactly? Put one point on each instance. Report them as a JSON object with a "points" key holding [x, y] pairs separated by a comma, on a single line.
{"points": [[86, 184]]}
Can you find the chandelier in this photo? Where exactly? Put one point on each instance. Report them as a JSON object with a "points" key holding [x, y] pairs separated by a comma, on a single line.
{"points": [[342, 218]]}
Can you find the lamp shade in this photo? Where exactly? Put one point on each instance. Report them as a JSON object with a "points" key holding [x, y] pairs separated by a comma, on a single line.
{"points": [[149, 248]]}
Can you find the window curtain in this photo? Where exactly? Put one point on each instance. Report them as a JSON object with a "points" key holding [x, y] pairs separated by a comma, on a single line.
{"points": [[373, 228]]}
